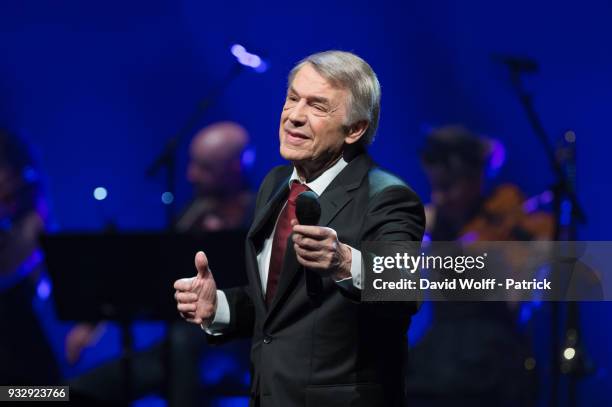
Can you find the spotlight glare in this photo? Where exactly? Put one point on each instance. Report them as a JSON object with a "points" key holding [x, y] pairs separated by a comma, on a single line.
{"points": [[100, 193], [44, 288], [529, 363], [237, 50], [248, 59], [167, 198], [498, 155], [569, 353], [248, 158]]}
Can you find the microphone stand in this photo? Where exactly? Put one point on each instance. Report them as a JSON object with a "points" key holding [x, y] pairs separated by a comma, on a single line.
{"points": [[166, 159], [567, 207]]}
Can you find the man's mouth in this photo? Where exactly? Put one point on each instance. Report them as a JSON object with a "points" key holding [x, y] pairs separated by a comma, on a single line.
{"points": [[293, 137]]}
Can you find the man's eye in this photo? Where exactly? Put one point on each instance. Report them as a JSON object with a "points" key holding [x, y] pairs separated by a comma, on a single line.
{"points": [[292, 98], [319, 108]]}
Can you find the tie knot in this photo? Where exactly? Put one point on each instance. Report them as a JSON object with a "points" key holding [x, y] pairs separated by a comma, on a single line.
{"points": [[296, 189]]}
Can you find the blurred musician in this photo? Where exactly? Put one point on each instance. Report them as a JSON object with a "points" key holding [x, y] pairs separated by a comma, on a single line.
{"points": [[25, 354], [472, 353], [222, 200], [222, 196]]}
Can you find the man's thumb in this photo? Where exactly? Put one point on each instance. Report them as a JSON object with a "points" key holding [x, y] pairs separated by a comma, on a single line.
{"points": [[201, 263]]}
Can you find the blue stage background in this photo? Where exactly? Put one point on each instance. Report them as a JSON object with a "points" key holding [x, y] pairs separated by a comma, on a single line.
{"points": [[98, 88]]}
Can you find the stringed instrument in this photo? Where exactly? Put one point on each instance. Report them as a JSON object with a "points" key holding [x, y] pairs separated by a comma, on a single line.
{"points": [[507, 215]]}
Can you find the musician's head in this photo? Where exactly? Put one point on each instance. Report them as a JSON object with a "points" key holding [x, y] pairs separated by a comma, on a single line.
{"points": [[216, 159], [454, 160], [332, 106], [20, 185]]}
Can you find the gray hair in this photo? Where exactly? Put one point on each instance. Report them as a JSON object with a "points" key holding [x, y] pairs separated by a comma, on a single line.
{"points": [[348, 71]]}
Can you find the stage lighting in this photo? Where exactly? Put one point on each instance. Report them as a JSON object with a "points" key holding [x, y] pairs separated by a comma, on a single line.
{"points": [[569, 353], [100, 193], [167, 198], [248, 59]]}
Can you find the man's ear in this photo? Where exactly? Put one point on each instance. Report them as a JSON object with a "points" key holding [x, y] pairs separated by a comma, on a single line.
{"points": [[355, 131]]}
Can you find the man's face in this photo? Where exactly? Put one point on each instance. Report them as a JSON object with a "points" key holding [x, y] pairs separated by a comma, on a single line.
{"points": [[312, 130], [204, 173], [454, 195]]}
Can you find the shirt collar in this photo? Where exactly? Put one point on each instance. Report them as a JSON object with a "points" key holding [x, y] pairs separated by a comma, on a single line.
{"points": [[319, 184]]}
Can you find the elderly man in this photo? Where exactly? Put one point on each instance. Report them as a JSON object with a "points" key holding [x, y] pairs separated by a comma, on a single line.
{"points": [[336, 351]]}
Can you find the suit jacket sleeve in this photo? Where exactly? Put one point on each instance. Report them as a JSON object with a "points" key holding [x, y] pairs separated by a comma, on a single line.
{"points": [[395, 214], [242, 317]]}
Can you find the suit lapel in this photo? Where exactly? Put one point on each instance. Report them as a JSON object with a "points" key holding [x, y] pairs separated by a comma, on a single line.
{"points": [[278, 197], [261, 219], [335, 197], [338, 193], [332, 202]]}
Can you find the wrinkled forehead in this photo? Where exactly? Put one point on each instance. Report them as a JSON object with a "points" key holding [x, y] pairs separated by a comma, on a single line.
{"points": [[308, 81]]}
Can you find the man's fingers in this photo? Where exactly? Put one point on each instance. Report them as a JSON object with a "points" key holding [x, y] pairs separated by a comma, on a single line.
{"points": [[194, 320], [307, 254], [308, 264], [187, 315], [190, 307], [314, 232], [201, 263], [183, 284], [183, 297], [191, 317], [307, 243]]}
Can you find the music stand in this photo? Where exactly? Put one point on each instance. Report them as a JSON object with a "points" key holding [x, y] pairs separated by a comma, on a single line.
{"points": [[129, 276]]}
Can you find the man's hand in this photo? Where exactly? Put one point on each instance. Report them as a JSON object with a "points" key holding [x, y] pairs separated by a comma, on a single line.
{"points": [[319, 249], [196, 297]]}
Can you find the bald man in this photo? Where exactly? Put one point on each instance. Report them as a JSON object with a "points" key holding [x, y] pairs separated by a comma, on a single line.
{"points": [[222, 197], [222, 201]]}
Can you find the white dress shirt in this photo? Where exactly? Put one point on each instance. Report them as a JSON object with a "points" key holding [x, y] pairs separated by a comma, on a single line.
{"points": [[222, 316]]}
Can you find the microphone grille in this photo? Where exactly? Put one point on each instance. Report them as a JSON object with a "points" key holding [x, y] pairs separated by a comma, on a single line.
{"points": [[307, 208]]}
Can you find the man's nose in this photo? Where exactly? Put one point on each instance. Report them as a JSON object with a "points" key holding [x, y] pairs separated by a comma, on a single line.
{"points": [[297, 116]]}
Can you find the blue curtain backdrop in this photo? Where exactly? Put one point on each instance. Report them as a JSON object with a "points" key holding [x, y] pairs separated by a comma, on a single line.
{"points": [[98, 87]]}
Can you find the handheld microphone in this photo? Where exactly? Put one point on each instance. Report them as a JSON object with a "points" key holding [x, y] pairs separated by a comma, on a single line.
{"points": [[307, 208], [308, 212]]}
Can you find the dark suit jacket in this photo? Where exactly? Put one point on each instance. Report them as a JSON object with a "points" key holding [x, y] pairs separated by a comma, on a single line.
{"points": [[343, 352]]}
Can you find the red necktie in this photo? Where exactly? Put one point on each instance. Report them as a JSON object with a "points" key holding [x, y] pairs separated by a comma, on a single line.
{"points": [[279, 244]]}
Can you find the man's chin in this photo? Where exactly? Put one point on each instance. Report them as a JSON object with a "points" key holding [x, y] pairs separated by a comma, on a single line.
{"points": [[294, 155]]}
